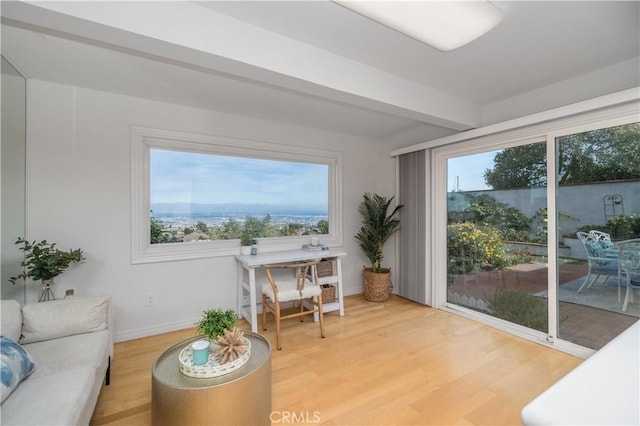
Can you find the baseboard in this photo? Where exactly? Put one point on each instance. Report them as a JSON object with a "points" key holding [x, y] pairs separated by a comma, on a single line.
{"points": [[152, 331]]}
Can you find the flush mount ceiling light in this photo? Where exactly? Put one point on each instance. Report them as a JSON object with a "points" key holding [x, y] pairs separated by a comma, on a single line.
{"points": [[445, 25]]}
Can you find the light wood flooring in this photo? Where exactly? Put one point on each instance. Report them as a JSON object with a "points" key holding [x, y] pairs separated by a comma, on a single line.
{"points": [[396, 362]]}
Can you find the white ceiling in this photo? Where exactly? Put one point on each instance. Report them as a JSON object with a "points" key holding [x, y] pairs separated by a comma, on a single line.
{"points": [[536, 45]]}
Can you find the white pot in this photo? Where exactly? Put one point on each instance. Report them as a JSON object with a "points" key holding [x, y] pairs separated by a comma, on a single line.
{"points": [[245, 250]]}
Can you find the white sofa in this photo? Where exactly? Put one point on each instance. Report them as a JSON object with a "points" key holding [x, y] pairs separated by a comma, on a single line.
{"points": [[71, 343]]}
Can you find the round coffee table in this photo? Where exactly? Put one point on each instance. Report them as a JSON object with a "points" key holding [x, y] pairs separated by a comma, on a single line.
{"points": [[242, 397]]}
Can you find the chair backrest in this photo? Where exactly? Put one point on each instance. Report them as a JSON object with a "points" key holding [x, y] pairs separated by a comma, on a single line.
{"points": [[582, 236], [630, 258], [302, 272], [602, 237], [595, 248]]}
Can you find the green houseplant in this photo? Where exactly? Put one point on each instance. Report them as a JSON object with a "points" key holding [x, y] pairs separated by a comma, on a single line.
{"points": [[378, 225], [215, 321], [43, 261]]}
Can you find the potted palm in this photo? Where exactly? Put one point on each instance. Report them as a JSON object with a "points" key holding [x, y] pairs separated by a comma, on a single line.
{"points": [[378, 225], [43, 261]]}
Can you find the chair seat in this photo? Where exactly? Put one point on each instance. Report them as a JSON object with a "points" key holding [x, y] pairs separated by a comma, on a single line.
{"points": [[609, 268], [287, 290]]}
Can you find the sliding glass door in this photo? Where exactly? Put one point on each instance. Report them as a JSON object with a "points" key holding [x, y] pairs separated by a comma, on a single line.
{"points": [[496, 234], [598, 201], [532, 229]]}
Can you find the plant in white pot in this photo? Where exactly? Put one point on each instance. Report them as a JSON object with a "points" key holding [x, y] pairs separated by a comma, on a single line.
{"points": [[245, 242], [43, 261], [378, 225]]}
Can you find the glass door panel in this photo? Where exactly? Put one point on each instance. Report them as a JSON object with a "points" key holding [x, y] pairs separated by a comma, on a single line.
{"points": [[496, 234], [598, 205]]}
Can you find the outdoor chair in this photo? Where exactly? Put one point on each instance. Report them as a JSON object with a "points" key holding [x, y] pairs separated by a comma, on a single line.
{"points": [[300, 287], [630, 264], [602, 258]]}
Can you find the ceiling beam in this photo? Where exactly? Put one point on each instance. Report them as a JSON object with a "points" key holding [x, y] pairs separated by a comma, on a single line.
{"points": [[188, 34]]}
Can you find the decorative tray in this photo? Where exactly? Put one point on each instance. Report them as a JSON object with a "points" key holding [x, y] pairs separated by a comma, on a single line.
{"points": [[211, 368]]}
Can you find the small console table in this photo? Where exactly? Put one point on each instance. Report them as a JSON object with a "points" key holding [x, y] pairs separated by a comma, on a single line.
{"points": [[247, 265], [242, 397]]}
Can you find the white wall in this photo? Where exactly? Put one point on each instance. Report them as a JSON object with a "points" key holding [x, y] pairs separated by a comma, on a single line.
{"points": [[13, 179], [79, 196]]}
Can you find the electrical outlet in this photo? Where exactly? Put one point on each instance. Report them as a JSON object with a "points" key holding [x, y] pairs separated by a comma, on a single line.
{"points": [[150, 300], [245, 300]]}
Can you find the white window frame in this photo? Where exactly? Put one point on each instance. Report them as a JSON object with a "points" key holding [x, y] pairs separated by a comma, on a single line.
{"points": [[145, 139]]}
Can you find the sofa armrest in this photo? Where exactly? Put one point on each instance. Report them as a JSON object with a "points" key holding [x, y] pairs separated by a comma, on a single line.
{"points": [[66, 317]]}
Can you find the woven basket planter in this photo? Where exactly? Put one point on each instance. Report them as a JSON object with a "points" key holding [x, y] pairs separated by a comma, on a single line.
{"points": [[376, 285]]}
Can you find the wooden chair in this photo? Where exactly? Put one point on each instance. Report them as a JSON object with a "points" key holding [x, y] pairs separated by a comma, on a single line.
{"points": [[298, 287]]}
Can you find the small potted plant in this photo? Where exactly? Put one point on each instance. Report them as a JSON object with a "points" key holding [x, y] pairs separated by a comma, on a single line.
{"points": [[245, 242], [215, 321], [43, 261], [377, 227]]}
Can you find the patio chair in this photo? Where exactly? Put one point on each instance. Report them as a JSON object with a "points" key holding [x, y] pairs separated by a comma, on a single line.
{"points": [[602, 259], [630, 264], [300, 287]]}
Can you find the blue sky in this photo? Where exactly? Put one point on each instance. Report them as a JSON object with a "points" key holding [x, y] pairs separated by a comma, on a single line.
{"points": [[470, 171], [185, 177]]}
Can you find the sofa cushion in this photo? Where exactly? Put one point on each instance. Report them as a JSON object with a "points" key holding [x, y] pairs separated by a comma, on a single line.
{"points": [[65, 317], [11, 319], [15, 365], [55, 399], [65, 353]]}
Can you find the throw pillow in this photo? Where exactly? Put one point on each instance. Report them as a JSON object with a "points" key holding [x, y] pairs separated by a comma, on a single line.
{"points": [[16, 365], [64, 317], [596, 249]]}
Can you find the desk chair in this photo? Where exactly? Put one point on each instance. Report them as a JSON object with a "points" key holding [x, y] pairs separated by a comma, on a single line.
{"points": [[298, 287]]}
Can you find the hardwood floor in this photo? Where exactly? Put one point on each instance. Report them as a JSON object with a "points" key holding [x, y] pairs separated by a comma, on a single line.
{"points": [[396, 362]]}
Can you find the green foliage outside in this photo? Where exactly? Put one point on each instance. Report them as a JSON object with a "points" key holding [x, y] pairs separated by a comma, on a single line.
{"points": [[158, 233], [599, 155], [215, 321], [246, 231], [485, 210], [473, 247], [520, 308], [542, 229], [43, 261], [619, 227]]}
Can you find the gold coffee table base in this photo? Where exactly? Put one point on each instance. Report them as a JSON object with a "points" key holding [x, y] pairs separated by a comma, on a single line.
{"points": [[242, 397]]}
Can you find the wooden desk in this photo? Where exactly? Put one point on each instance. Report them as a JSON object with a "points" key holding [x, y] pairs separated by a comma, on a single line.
{"points": [[247, 265]]}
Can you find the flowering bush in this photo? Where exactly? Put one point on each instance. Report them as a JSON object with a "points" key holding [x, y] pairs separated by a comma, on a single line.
{"points": [[473, 247], [624, 227]]}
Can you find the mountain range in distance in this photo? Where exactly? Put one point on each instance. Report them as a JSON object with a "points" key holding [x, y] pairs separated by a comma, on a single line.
{"points": [[236, 208]]}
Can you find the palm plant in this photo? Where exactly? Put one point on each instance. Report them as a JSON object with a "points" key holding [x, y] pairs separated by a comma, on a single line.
{"points": [[377, 227]]}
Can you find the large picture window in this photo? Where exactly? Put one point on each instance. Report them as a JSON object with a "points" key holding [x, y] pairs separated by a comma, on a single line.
{"points": [[197, 196]]}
